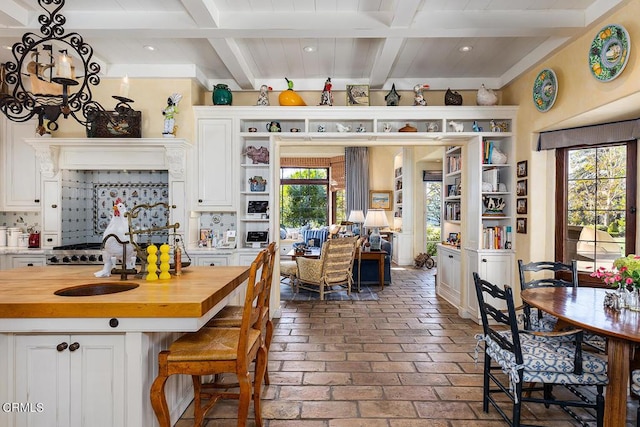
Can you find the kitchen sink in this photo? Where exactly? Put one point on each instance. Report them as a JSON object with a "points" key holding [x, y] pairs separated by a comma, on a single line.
{"points": [[93, 289]]}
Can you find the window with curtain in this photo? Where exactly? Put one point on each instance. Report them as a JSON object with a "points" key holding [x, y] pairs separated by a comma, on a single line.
{"points": [[595, 209]]}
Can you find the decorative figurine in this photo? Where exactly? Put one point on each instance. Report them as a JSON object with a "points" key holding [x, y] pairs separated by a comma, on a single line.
{"points": [[169, 115], [361, 128], [418, 97], [327, 97], [475, 127], [112, 249], [152, 262], [289, 97], [263, 98], [257, 154], [451, 97], [393, 97], [486, 96], [342, 128], [273, 127], [222, 95], [456, 127], [164, 262], [386, 127]]}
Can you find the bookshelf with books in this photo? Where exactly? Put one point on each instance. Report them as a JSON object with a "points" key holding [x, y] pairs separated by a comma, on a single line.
{"points": [[489, 218]]}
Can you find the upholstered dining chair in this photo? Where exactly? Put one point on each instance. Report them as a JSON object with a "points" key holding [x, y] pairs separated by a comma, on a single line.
{"points": [[542, 362], [332, 272], [231, 315], [212, 351], [544, 274], [548, 274]]}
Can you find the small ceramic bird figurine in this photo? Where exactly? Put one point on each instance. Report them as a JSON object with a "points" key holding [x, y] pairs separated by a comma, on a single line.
{"points": [[486, 96], [393, 97], [418, 98], [263, 98]]}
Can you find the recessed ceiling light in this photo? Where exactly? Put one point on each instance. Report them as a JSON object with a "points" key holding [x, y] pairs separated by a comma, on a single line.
{"points": [[309, 49], [465, 48], [149, 47]]}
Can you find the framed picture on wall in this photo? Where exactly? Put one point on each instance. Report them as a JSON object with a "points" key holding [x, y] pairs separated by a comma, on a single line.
{"points": [[358, 95], [521, 206], [521, 188], [521, 225], [380, 200], [522, 169]]}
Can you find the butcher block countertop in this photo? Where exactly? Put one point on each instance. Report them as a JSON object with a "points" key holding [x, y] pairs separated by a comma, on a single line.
{"points": [[28, 292]]}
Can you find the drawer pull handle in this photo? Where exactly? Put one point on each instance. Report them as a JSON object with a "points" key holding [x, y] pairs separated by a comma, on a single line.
{"points": [[62, 346], [54, 206], [450, 256], [37, 200], [484, 260], [213, 264], [74, 346]]}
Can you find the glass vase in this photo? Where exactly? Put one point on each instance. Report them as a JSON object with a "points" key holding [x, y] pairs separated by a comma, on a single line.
{"points": [[633, 301], [624, 296]]}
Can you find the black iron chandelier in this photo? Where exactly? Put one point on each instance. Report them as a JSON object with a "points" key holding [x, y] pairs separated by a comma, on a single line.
{"points": [[43, 82]]}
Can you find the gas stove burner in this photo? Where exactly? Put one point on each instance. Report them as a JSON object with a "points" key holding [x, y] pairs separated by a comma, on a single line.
{"points": [[75, 254]]}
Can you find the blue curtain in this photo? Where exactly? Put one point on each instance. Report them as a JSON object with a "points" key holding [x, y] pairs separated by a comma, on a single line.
{"points": [[357, 178]]}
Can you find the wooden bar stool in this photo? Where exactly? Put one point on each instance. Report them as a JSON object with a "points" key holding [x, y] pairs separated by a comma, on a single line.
{"points": [[212, 351], [231, 315]]}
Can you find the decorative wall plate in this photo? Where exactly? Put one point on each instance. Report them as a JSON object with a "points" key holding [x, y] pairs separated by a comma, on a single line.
{"points": [[609, 52], [545, 90]]}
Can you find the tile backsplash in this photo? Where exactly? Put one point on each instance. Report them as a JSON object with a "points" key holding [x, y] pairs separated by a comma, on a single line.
{"points": [[79, 198], [21, 219], [218, 222]]}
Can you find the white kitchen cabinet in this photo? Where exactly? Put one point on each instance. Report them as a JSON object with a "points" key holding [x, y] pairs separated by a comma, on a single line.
{"points": [[20, 184], [449, 274], [496, 267], [56, 371], [216, 185], [15, 261], [211, 260]]}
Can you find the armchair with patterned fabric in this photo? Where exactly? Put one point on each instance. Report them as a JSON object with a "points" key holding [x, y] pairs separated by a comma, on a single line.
{"points": [[332, 271]]}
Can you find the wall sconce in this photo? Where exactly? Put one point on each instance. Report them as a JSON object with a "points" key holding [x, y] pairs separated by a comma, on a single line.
{"points": [[44, 82]]}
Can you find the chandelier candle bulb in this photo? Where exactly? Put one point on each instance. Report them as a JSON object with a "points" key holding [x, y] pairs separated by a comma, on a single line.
{"points": [[124, 87], [63, 66]]}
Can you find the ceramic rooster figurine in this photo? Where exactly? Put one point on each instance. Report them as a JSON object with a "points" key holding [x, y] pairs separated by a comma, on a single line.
{"points": [[418, 97], [486, 96], [119, 227]]}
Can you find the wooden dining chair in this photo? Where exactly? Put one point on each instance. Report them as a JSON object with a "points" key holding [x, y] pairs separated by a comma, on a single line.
{"points": [[551, 274], [212, 351], [231, 315], [540, 362]]}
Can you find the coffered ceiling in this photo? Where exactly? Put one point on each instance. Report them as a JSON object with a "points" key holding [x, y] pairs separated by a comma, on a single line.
{"points": [[246, 43]]}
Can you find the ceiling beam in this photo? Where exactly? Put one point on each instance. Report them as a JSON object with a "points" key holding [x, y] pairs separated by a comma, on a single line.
{"points": [[12, 14], [230, 54], [204, 13], [403, 17]]}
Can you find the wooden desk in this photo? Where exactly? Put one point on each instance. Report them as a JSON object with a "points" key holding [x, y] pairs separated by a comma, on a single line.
{"points": [[583, 307], [378, 255]]}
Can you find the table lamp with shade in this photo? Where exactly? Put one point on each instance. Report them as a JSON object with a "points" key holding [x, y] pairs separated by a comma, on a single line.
{"points": [[375, 219], [356, 217]]}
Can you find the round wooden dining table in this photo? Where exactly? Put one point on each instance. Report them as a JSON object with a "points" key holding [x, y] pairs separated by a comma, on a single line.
{"points": [[584, 308]]}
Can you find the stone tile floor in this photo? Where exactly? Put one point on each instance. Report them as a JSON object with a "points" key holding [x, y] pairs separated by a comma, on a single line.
{"points": [[406, 360]]}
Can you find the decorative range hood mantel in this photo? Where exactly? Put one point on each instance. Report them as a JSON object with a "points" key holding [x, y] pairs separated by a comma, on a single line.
{"points": [[55, 154]]}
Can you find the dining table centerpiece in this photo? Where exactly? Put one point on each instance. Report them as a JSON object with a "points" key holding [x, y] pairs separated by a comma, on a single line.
{"points": [[625, 277]]}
